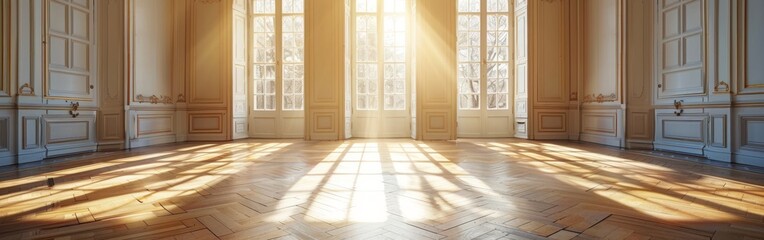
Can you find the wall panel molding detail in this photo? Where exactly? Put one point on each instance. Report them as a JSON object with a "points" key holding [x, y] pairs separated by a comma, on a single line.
{"points": [[681, 56], [112, 127], [206, 123], [5, 52], [325, 70], [551, 122], [30, 136], [209, 64], [600, 123], [65, 130], [751, 137], [151, 51], [639, 125], [5, 136], [155, 124], [324, 122], [750, 53], [718, 134], [69, 51], [435, 80]]}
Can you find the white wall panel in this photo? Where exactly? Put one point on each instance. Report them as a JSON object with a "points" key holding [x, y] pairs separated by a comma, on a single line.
{"points": [[69, 54], [62, 134], [152, 41], [749, 136], [152, 124]]}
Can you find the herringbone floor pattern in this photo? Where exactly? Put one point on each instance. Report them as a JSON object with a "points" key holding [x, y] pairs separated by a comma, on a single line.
{"points": [[379, 189]]}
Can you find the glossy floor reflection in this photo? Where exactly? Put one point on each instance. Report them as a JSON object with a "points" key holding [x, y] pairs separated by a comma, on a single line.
{"points": [[379, 189]]}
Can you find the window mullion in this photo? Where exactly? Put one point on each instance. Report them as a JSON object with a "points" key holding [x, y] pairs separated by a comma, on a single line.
{"points": [[278, 21], [483, 55], [380, 56]]}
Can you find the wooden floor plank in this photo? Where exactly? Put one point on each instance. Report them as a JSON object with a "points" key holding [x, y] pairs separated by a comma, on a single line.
{"points": [[380, 189]]}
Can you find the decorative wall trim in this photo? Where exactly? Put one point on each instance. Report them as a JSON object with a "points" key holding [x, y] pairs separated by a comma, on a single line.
{"points": [[551, 122], [746, 133], [601, 123], [206, 123], [154, 124], [30, 133], [722, 87], [73, 107], [718, 131], [181, 98], [743, 66], [600, 98], [25, 90], [5, 136], [688, 122], [111, 126], [153, 99], [323, 122], [59, 127]]}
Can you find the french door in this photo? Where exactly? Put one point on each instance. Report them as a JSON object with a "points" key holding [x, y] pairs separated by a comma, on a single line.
{"points": [[381, 69], [277, 55], [484, 58]]}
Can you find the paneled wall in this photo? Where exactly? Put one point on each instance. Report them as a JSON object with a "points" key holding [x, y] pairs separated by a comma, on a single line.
{"points": [[240, 103], [111, 118], [638, 80], [436, 69], [208, 69], [7, 118], [548, 69], [602, 111], [521, 69], [151, 114], [747, 80], [709, 98], [325, 79]]}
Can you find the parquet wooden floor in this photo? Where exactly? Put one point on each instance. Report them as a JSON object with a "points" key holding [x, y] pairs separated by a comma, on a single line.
{"points": [[379, 189]]}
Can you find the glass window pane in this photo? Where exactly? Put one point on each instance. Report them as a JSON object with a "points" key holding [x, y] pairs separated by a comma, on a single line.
{"points": [[264, 6], [498, 6], [395, 6], [366, 6], [465, 6], [292, 6]]}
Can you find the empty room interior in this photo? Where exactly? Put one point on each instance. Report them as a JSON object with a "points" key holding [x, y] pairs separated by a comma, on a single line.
{"points": [[381, 119]]}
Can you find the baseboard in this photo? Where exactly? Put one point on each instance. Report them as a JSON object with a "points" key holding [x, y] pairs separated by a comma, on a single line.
{"points": [[639, 145], [697, 151], [30, 157], [149, 141], [604, 140], [71, 149], [7, 160], [111, 146], [749, 160], [718, 156]]}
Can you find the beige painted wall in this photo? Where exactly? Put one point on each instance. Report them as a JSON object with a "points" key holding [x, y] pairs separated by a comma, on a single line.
{"points": [[548, 69], [325, 67], [436, 69]]}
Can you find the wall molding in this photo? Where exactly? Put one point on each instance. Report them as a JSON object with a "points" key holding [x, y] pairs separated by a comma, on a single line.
{"points": [[153, 99], [600, 98], [745, 142]]}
